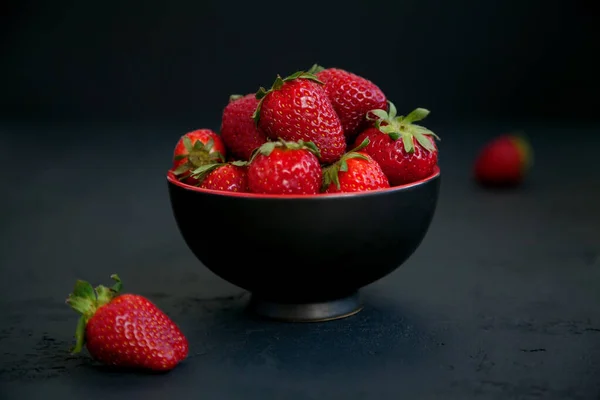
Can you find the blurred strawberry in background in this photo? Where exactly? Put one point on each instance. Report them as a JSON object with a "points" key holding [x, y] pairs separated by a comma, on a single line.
{"points": [[504, 161]]}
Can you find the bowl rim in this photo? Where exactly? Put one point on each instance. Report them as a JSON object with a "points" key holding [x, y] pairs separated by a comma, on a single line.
{"points": [[173, 180]]}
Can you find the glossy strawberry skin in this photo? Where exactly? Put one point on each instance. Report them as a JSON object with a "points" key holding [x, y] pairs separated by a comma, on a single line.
{"points": [[285, 171], [399, 166], [362, 175], [132, 332], [203, 136], [227, 178], [238, 130], [352, 97], [500, 162], [301, 110]]}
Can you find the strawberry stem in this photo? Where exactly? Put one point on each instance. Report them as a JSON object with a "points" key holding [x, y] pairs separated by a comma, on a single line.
{"points": [[86, 301]]}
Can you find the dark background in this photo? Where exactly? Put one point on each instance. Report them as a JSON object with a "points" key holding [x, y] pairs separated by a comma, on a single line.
{"points": [[500, 301], [179, 61]]}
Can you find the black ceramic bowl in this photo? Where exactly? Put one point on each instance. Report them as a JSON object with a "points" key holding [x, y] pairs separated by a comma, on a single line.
{"points": [[304, 258]]}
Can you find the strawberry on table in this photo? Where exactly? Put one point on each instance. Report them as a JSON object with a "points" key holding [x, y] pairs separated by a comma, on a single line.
{"points": [[283, 167], [356, 171], [504, 161], [238, 131], [125, 330], [297, 108], [227, 177], [405, 151], [196, 148], [352, 97]]}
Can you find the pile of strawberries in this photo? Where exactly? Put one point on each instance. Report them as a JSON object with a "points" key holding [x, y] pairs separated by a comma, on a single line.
{"points": [[319, 131]]}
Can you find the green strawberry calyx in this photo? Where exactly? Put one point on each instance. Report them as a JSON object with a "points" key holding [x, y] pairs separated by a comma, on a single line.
{"points": [[86, 300], [315, 69], [197, 154], [520, 140], [203, 171], [267, 148], [331, 174], [278, 84], [399, 126]]}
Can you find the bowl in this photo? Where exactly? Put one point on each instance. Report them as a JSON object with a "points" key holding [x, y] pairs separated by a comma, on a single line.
{"points": [[304, 257]]}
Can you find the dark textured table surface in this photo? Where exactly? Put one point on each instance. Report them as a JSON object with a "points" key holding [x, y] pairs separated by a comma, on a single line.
{"points": [[501, 300]]}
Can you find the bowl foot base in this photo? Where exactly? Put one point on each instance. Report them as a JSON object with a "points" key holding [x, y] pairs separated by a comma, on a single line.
{"points": [[307, 312]]}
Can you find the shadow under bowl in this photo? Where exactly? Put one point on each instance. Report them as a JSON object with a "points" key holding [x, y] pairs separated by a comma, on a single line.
{"points": [[304, 257]]}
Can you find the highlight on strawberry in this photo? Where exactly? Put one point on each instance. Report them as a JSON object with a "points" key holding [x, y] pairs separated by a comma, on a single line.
{"points": [[125, 330]]}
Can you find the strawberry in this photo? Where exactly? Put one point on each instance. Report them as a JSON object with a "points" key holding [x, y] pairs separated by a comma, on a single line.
{"points": [[125, 330], [352, 97], [403, 161], [282, 167], [228, 177], [356, 171], [238, 131], [196, 148], [504, 161], [297, 108]]}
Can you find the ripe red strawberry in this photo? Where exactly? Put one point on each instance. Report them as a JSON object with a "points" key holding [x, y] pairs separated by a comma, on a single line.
{"points": [[410, 159], [297, 108], [196, 148], [356, 171], [125, 330], [283, 167], [227, 177], [238, 131], [504, 161], [352, 97]]}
